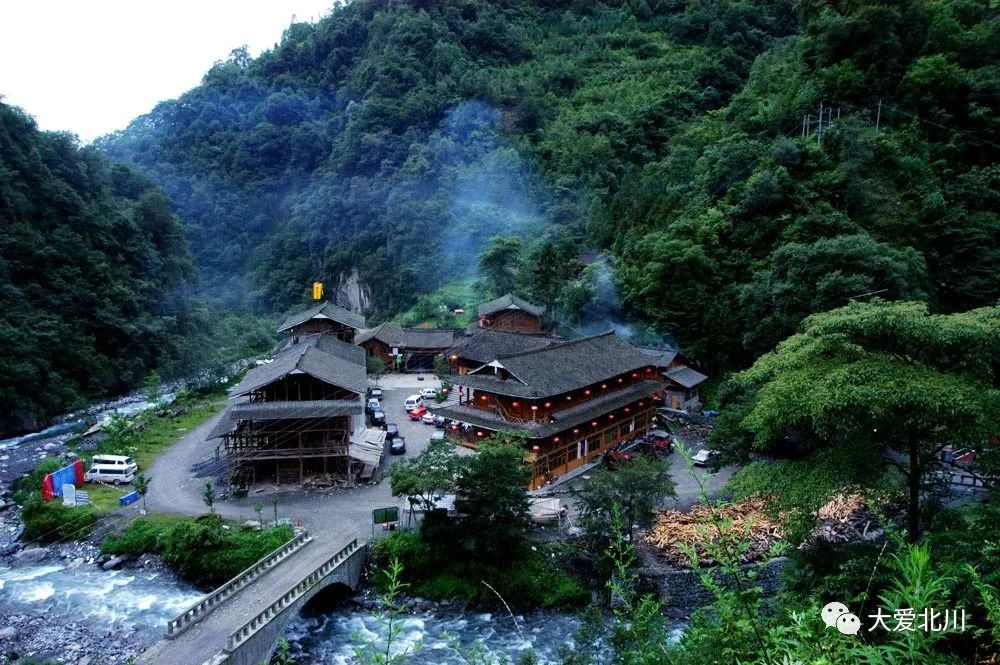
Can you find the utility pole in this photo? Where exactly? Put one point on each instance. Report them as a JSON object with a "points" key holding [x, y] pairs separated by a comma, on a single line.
{"points": [[878, 116]]}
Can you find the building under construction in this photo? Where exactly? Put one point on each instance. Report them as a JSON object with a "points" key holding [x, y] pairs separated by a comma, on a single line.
{"points": [[300, 417]]}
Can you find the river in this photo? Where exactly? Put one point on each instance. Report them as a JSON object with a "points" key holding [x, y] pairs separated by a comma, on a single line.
{"points": [[110, 615]]}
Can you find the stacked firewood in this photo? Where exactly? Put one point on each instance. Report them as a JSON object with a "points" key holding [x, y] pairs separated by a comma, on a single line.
{"points": [[846, 517], [744, 529]]}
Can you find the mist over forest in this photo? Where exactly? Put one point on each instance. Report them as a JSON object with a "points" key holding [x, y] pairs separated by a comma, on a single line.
{"points": [[509, 143]]}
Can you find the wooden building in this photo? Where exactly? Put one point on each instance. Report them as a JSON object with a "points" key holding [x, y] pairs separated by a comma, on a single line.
{"points": [[407, 349], [325, 318], [574, 400], [479, 346], [295, 416], [512, 314], [682, 388]]}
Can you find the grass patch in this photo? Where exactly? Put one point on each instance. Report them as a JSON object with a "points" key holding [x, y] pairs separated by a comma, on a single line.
{"points": [[427, 310], [152, 435]]}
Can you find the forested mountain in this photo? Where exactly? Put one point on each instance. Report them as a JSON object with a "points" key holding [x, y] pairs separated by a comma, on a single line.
{"points": [[95, 278], [94, 268], [398, 137]]}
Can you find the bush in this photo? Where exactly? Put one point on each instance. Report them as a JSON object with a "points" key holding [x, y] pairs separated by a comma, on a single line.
{"points": [[207, 554], [49, 522], [140, 537], [30, 486]]}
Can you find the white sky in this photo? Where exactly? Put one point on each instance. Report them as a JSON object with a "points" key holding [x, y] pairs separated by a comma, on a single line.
{"points": [[91, 66]]}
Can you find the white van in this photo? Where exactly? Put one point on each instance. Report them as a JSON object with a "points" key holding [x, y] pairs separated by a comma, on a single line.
{"points": [[116, 461], [412, 402], [103, 473]]}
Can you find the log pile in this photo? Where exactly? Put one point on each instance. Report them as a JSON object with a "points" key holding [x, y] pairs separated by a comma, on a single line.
{"points": [[845, 518], [747, 523]]}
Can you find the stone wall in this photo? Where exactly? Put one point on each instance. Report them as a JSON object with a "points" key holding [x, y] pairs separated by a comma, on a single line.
{"points": [[681, 588]]}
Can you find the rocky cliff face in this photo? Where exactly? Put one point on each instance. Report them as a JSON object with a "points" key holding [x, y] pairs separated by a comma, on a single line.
{"points": [[351, 292]]}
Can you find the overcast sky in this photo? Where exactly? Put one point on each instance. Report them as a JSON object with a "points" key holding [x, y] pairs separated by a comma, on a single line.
{"points": [[91, 66]]}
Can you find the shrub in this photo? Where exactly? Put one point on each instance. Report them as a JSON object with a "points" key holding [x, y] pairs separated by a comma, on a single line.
{"points": [[140, 537], [31, 485], [207, 554], [49, 522]]}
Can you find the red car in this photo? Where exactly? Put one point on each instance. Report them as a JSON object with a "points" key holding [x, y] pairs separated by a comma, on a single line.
{"points": [[417, 413], [615, 459]]}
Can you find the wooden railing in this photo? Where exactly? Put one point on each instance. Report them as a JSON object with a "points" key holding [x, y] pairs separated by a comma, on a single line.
{"points": [[201, 609], [247, 630]]}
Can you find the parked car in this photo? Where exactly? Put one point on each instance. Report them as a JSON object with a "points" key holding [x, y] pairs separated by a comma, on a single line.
{"points": [[437, 435], [615, 459], [412, 402], [701, 457], [417, 412], [428, 418], [440, 422], [373, 405], [397, 446], [391, 430], [429, 393], [105, 473], [378, 418], [119, 461], [375, 392]]}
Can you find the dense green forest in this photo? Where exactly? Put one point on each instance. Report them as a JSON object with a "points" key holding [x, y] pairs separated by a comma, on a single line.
{"points": [[392, 135], [96, 279], [399, 137]]}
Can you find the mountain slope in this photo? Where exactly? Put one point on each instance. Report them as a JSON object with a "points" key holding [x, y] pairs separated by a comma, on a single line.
{"points": [[397, 137]]}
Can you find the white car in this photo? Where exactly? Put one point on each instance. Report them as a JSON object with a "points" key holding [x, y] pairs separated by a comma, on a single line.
{"points": [[428, 393], [701, 457], [428, 418]]}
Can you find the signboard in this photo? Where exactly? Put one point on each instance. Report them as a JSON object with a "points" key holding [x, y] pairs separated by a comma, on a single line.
{"points": [[69, 494], [385, 515]]}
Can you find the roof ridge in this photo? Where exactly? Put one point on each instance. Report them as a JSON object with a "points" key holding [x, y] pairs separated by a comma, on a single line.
{"points": [[558, 345]]}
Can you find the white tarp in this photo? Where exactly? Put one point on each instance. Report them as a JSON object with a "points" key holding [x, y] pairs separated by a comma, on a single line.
{"points": [[367, 445]]}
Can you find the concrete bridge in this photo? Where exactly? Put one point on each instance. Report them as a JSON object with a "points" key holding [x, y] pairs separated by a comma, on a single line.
{"points": [[240, 622]]}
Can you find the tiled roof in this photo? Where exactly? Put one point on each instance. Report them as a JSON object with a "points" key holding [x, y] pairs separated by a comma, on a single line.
{"points": [[685, 376], [393, 334], [559, 367], [318, 364], [509, 301], [324, 310], [282, 410], [561, 420], [663, 356], [486, 345], [327, 344]]}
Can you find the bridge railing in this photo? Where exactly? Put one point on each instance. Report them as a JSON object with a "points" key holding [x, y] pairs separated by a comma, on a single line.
{"points": [[247, 630], [200, 610]]}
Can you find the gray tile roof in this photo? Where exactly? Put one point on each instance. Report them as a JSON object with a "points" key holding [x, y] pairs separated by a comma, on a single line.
{"points": [[393, 334], [571, 417], [317, 364], [327, 310], [685, 376], [486, 345], [509, 301], [560, 367], [327, 344], [663, 356], [282, 410]]}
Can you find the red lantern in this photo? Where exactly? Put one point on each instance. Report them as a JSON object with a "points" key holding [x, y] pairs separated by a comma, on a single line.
{"points": [[641, 404], [483, 398], [635, 375], [535, 448], [620, 379], [576, 430], [555, 439], [569, 397], [603, 386], [611, 417], [594, 423], [515, 404], [534, 407], [548, 404], [627, 410], [586, 392], [479, 433]]}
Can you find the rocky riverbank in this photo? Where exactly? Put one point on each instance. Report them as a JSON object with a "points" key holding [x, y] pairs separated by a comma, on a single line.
{"points": [[68, 603]]}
